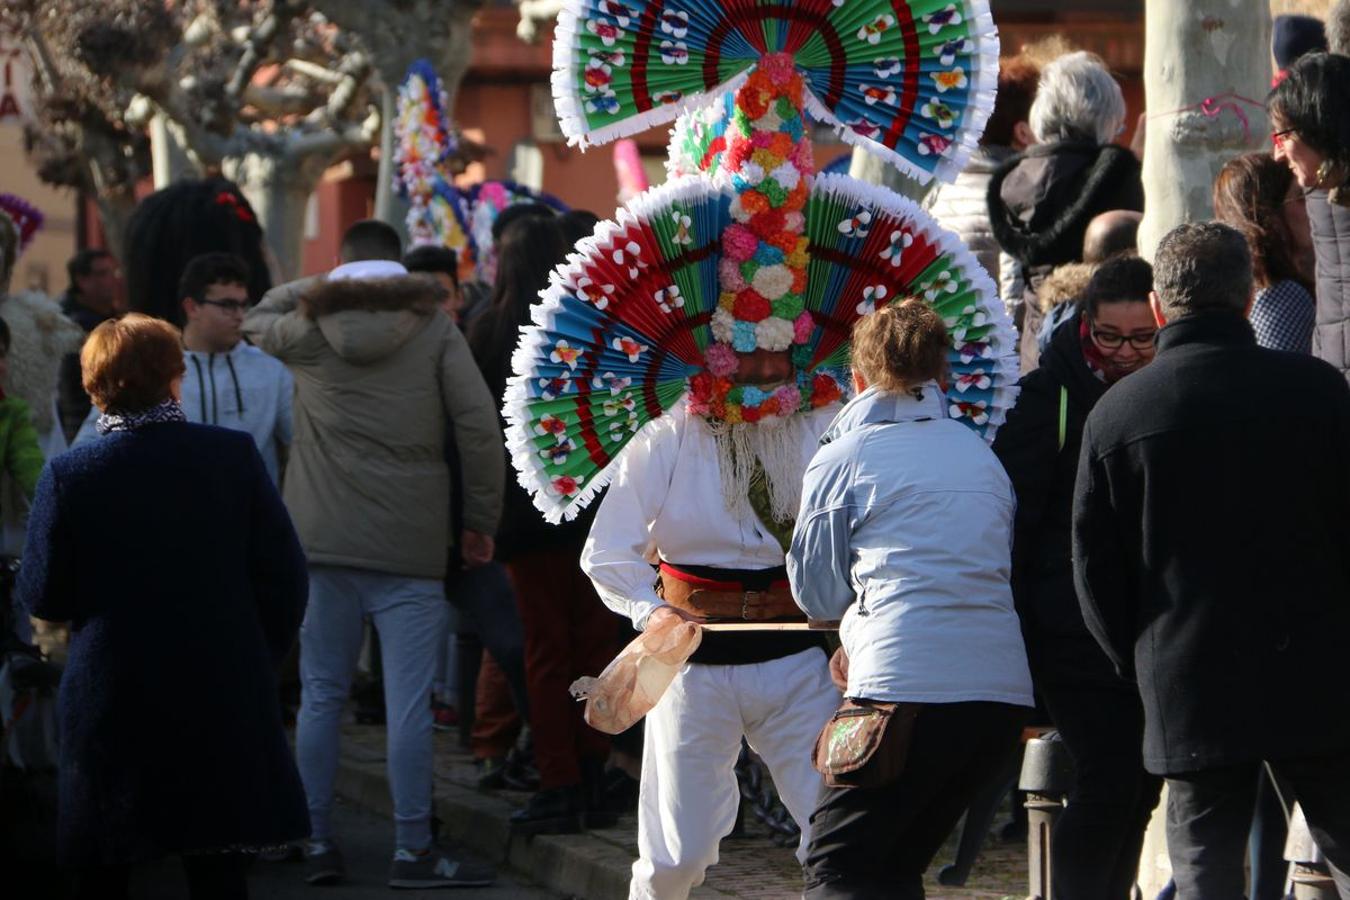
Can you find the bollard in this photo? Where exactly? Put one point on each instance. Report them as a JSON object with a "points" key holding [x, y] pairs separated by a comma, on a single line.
{"points": [[1311, 877], [1047, 776]]}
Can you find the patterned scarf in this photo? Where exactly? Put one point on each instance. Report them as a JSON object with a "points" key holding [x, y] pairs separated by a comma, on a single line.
{"points": [[1092, 354], [168, 411]]}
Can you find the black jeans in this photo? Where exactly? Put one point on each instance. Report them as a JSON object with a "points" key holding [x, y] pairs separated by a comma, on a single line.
{"points": [[877, 842], [1209, 814], [1098, 837], [210, 876]]}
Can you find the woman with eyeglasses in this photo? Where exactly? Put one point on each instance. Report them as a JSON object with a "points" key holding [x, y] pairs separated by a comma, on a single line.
{"points": [[1312, 137], [1259, 197], [1099, 836]]}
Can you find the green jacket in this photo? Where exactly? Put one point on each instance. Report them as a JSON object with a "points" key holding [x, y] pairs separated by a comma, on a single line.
{"points": [[379, 372], [19, 442]]}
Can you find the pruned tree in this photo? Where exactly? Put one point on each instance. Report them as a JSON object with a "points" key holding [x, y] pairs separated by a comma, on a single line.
{"points": [[268, 93]]}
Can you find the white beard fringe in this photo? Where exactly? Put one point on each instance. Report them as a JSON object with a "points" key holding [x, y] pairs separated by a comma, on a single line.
{"points": [[777, 444]]}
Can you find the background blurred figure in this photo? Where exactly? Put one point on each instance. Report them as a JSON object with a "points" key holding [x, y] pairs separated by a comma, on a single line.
{"points": [[1311, 133], [167, 548], [90, 300], [1041, 201], [1259, 197], [1293, 37], [568, 632], [1110, 335], [1111, 234], [182, 221], [963, 205]]}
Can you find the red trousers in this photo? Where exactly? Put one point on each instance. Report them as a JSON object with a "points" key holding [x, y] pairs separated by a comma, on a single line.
{"points": [[568, 633], [496, 724]]}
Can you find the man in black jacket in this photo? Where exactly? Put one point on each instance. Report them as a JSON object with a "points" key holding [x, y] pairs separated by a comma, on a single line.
{"points": [[1212, 562]]}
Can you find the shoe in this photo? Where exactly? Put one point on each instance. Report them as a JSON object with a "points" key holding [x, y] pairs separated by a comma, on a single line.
{"points": [[281, 853], [520, 773], [554, 811], [444, 717], [323, 863], [432, 870], [491, 773], [596, 809]]}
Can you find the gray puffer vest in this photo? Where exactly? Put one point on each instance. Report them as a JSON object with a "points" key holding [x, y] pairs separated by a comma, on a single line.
{"points": [[1331, 239]]}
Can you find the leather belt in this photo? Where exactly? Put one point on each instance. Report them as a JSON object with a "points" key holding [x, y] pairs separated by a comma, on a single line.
{"points": [[727, 599]]}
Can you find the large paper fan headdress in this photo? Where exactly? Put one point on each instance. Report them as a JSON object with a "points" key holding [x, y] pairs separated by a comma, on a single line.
{"points": [[745, 249]]}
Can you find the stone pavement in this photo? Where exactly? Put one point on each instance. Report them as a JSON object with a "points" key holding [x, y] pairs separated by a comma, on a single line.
{"points": [[595, 865]]}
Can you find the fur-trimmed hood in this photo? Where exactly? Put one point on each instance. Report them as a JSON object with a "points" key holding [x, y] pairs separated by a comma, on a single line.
{"points": [[365, 320], [1041, 201]]}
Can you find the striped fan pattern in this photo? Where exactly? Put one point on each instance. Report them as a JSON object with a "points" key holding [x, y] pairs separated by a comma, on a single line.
{"points": [[913, 80], [624, 326]]}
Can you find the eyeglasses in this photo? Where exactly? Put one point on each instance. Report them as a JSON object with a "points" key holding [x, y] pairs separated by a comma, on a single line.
{"points": [[1110, 340], [1277, 137], [230, 306]]}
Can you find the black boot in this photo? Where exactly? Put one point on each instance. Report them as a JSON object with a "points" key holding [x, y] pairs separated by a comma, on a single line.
{"points": [[552, 811], [597, 812]]}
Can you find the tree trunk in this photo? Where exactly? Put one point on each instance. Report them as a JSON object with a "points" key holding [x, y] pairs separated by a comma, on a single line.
{"points": [[874, 170], [389, 206], [168, 159], [279, 191], [1193, 51]]}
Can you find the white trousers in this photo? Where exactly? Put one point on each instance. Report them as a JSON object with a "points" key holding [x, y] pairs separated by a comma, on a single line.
{"points": [[689, 794]]}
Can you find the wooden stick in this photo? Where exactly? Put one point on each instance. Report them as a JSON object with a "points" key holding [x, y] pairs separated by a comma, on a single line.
{"points": [[771, 626]]}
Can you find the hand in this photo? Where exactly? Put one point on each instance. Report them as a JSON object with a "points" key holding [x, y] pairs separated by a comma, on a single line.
{"points": [[665, 612], [839, 669], [476, 548]]}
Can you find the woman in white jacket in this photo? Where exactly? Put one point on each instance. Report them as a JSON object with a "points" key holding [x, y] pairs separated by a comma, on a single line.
{"points": [[905, 532]]}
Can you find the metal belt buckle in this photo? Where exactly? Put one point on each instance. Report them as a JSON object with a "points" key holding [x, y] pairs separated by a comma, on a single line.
{"points": [[746, 597]]}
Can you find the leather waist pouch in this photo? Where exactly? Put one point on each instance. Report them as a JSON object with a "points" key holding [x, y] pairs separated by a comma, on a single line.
{"points": [[865, 743], [752, 606]]}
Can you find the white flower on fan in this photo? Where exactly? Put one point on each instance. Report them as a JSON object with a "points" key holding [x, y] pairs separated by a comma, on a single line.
{"points": [[598, 77], [616, 11], [564, 354], [860, 226], [977, 412], [674, 22], [865, 127], [626, 403], [558, 453], [605, 30], [553, 388], [613, 58], [566, 486], [669, 298], [895, 250], [629, 423], [973, 350], [978, 380], [885, 94], [888, 66], [944, 283], [946, 81], [874, 297], [597, 295], [674, 53], [936, 21], [552, 425], [873, 30], [934, 145], [969, 320], [631, 253], [606, 102], [611, 382], [941, 113], [629, 348], [948, 52], [682, 225]]}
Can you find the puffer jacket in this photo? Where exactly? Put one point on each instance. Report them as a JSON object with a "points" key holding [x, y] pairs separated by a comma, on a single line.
{"points": [[1331, 241], [380, 372], [905, 532], [1040, 205], [963, 206]]}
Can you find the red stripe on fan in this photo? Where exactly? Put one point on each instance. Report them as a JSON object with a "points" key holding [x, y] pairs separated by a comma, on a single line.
{"points": [[741, 18], [913, 56], [642, 97], [594, 449]]}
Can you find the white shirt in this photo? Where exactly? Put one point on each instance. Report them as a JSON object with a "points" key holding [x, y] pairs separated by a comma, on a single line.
{"points": [[666, 504]]}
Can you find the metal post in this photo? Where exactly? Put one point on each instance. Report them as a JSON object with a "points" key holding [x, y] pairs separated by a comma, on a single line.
{"points": [[1047, 776]]}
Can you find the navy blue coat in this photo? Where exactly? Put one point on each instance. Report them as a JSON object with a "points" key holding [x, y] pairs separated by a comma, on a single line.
{"points": [[171, 554]]}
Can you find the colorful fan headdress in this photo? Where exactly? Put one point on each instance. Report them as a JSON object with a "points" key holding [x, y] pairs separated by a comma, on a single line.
{"points": [[745, 249], [27, 218]]}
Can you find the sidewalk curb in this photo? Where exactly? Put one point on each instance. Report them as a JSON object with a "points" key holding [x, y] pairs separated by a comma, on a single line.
{"points": [[581, 865]]}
